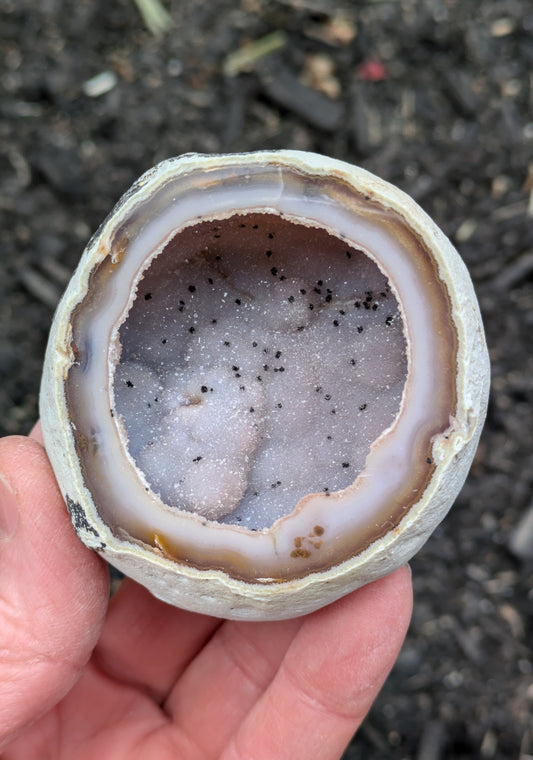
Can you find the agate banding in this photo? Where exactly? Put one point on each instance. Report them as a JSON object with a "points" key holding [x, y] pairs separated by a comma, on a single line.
{"points": [[265, 383]]}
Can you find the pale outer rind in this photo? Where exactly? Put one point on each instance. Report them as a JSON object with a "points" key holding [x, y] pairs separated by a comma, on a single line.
{"points": [[214, 592]]}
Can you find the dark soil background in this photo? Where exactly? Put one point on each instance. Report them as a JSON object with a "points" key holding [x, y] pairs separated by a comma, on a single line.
{"points": [[435, 96]]}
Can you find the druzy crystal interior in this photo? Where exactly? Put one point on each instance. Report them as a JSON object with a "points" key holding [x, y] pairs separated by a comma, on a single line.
{"points": [[259, 361]]}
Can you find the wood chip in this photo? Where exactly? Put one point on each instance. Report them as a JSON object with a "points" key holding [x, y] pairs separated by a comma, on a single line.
{"points": [[246, 57], [285, 89]]}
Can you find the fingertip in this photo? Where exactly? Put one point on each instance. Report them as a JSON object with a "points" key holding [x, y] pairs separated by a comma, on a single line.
{"points": [[396, 592], [384, 608], [390, 596], [402, 581]]}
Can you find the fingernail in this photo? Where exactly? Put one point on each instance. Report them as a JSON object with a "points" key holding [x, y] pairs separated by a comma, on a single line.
{"points": [[9, 513]]}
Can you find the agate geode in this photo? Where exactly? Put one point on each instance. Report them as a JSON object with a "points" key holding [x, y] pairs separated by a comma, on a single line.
{"points": [[265, 383]]}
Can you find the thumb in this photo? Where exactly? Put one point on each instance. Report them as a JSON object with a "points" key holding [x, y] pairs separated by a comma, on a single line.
{"points": [[53, 591]]}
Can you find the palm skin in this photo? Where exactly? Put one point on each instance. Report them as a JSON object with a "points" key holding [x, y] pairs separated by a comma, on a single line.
{"points": [[84, 678]]}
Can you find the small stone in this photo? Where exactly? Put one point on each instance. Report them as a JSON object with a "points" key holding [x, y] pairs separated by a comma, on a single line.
{"points": [[521, 539]]}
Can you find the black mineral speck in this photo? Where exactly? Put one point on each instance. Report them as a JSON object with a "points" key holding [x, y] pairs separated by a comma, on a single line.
{"points": [[77, 515]]}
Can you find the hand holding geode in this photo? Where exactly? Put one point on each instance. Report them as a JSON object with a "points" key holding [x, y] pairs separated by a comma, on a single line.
{"points": [[265, 383]]}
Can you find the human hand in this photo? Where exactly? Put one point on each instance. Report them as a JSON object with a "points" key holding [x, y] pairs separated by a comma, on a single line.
{"points": [[136, 678]]}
